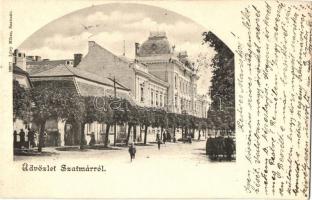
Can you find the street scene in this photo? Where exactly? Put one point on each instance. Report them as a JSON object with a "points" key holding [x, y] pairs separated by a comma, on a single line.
{"points": [[142, 90], [160, 171]]}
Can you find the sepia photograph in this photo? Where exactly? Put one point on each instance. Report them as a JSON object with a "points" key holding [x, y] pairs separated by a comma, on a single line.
{"points": [[124, 78], [155, 99]]}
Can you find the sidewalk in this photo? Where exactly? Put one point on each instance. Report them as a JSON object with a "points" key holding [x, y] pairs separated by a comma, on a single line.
{"points": [[49, 151]]}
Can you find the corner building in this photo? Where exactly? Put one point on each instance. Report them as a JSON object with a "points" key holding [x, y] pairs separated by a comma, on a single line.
{"points": [[174, 68]]}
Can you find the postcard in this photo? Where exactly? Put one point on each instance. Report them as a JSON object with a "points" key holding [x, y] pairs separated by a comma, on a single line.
{"points": [[155, 99]]}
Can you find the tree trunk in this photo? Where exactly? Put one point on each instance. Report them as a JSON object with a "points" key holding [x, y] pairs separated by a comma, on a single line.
{"points": [[106, 135], [82, 135], [145, 134], [134, 133], [161, 132], [115, 133], [140, 133], [174, 133], [128, 135], [41, 138], [186, 132]]}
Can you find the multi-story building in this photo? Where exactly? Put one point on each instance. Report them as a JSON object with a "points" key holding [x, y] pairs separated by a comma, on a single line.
{"points": [[174, 68]]}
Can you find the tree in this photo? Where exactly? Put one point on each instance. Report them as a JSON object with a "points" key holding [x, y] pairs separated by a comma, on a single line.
{"points": [[93, 112], [21, 102], [222, 89], [173, 122], [132, 117], [161, 119], [57, 103], [222, 83], [107, 117], [146, 119]]}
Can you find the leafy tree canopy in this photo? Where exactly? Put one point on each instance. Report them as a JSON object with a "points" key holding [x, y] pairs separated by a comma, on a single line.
{"points": [[21, 102]]}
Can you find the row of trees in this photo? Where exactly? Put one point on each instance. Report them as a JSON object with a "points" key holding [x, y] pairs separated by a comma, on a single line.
{"points": [[45, 101]]}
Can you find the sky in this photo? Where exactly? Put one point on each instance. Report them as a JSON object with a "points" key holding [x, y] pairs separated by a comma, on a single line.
{"points": [[114, 26]]}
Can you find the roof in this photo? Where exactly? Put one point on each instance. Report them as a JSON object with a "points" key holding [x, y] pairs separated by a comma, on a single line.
{"points": [[18, 70], [156, 44], [49, 62], [63, 70], [38, 66]]}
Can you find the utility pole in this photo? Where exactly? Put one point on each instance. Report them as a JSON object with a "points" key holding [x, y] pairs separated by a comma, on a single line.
{"points": [[124, 48], [115, 96]]}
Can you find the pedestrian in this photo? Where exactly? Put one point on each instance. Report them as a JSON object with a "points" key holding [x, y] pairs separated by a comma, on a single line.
{"points": [[168, 137], [22, 137], [157, 136], [31, 137], [132, 151], [15, 138], [159, 142], [164, 136], [199, 136]]}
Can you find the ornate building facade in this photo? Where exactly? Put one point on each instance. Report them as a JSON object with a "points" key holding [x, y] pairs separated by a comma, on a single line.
{"points": [[176, 69]]}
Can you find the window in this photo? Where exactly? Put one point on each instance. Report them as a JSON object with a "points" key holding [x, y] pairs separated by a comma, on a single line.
{"points": [[186, 105], [161, 100], [156, 99], [176, 101], [152, 97], [187, 88], [175, 82], [142, 93], [180, 85], [181, 104]]}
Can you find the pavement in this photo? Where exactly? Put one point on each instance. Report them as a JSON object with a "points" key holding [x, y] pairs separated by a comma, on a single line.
{"points": [[179, 170], [194, 150]]}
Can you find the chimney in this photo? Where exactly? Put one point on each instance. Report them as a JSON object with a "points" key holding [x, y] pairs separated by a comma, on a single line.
{"points": [[19, 59], [91, 44], [137, 46], [77, 59], [37, 58]]}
